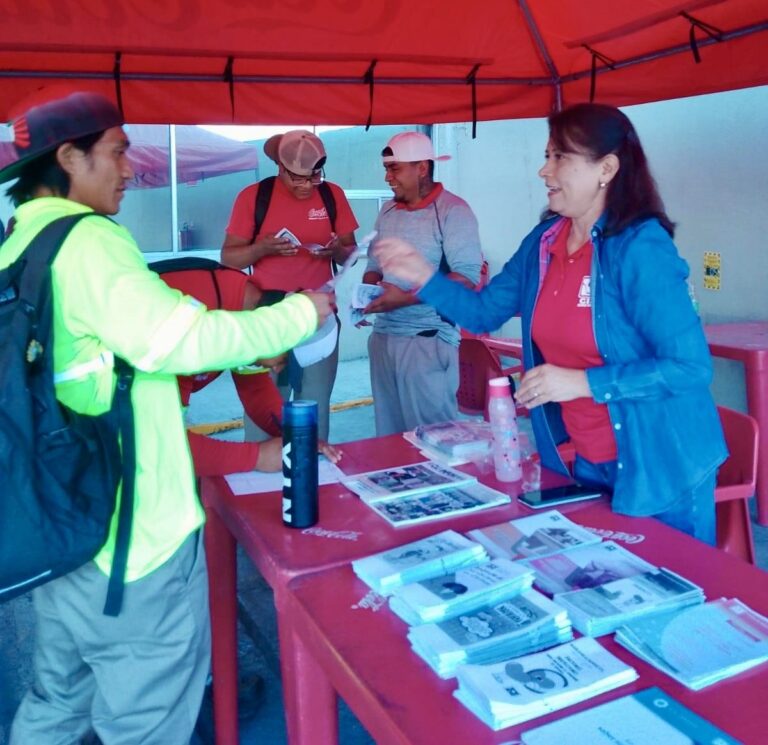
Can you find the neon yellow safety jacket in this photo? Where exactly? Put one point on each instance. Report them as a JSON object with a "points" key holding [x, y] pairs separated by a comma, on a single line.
{"points": [[106, 302]]}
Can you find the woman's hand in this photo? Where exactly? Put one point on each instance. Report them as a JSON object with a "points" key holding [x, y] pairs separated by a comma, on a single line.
{"points": [[546, 383], [401, 260]]}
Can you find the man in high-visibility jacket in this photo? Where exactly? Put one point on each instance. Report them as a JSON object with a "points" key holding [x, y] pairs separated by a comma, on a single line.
{"points": [[137, 677]]}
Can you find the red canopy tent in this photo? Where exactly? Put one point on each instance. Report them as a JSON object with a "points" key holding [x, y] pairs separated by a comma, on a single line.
{"points": [[384, 61]]}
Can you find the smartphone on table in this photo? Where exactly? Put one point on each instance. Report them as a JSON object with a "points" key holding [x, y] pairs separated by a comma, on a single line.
{"points": [[559, 495]]}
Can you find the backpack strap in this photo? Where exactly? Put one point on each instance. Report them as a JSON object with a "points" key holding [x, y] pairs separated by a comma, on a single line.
{"points": [[35, 284], [263, 197], [329, 202], [121, 406], [36, 275]]}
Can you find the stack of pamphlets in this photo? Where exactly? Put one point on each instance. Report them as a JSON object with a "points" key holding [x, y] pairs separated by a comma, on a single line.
{"points": [[536, 535], [418, 478], [410, 509], [588, 566], [649, 717], [601, 610], [520, 625], [701, 645], [452, 594], [466, 438], [515, 691], [428, 557]]}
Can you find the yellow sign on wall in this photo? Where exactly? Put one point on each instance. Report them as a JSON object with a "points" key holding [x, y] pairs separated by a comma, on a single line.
{"points": [[711, 270]]}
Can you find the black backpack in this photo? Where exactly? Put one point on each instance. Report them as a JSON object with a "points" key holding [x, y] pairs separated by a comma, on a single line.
{"points": [[59, 470], [199, 263]]}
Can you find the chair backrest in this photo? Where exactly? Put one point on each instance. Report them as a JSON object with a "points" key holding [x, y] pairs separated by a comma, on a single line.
{"points": [[741, 436], [477, 365]]}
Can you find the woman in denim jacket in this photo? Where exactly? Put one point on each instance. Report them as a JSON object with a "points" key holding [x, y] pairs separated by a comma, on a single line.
{"points": [[615, 355]]}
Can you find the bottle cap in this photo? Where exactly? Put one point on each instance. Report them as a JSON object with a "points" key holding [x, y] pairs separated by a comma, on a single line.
{"points": [[300, 413], [499, 387]]}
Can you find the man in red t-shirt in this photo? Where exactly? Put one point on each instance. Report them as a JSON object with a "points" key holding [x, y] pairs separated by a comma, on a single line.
{"points": [[278, 263]]}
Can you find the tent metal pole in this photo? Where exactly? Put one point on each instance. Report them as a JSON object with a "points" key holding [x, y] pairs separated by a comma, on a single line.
{"points": [[669, 51], [684, 48], [173, 181], [533, 30]]}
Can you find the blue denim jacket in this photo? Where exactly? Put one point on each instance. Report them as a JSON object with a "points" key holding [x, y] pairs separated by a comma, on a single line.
{"points": [[656, 364]]}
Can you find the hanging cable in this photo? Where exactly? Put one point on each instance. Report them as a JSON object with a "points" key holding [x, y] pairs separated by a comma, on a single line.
{"points": [[368, 78], [711, 31], [118, 83], [472, 80], [229, 77], [607, 61]]}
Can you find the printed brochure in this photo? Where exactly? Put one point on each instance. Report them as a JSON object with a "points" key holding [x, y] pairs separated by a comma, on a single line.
{"points": [[418, 478]]}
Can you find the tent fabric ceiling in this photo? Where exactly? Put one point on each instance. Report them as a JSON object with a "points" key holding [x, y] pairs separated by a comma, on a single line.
{"points": [[393, 61]]}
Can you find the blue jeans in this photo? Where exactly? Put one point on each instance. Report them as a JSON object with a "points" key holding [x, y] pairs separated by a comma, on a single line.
{"points": [[693, 513]]}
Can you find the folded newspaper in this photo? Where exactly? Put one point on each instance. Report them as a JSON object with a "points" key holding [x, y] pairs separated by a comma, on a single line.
{"points": [[515, 691], [412, 562]]}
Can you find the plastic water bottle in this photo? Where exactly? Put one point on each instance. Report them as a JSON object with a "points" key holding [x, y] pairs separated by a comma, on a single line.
{"points": [[300, 464], [503, 417]]}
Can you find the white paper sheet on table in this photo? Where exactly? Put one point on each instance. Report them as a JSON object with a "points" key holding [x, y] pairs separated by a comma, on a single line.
{"points": [[258, 482]]}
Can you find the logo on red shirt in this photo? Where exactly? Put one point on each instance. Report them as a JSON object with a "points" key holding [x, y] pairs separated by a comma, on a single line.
{"points": [[317, 214], [585, 293]]}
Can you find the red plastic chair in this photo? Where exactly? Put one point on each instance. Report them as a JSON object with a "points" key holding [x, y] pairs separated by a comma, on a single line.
{"points": [[477, 365], [736, 481]]}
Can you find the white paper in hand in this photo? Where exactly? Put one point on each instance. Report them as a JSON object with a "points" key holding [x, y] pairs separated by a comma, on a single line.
{"points": [[320, 345]]}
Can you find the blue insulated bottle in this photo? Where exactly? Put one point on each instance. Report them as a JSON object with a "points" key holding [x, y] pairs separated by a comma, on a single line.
{"points": [[299, 463]]}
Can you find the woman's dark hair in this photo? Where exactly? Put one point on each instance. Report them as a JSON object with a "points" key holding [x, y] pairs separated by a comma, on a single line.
{"points": [[595, 130], [45, 171]]}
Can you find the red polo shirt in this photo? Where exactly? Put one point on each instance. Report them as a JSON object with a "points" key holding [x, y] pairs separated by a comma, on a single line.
{"points": [[562, 330]]}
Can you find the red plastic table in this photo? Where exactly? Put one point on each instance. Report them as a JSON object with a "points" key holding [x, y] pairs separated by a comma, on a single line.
{"points": [[748, 343], [347, 529], [362, 649]]}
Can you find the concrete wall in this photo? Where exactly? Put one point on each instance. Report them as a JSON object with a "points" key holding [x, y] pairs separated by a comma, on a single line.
{"points": [[709, 159]]}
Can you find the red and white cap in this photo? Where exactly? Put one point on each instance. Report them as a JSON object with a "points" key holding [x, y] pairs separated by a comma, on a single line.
{"points": [[410, 147]]}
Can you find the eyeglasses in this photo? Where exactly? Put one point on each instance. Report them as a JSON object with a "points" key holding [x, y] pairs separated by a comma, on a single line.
{"points": [[316, 178]]}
